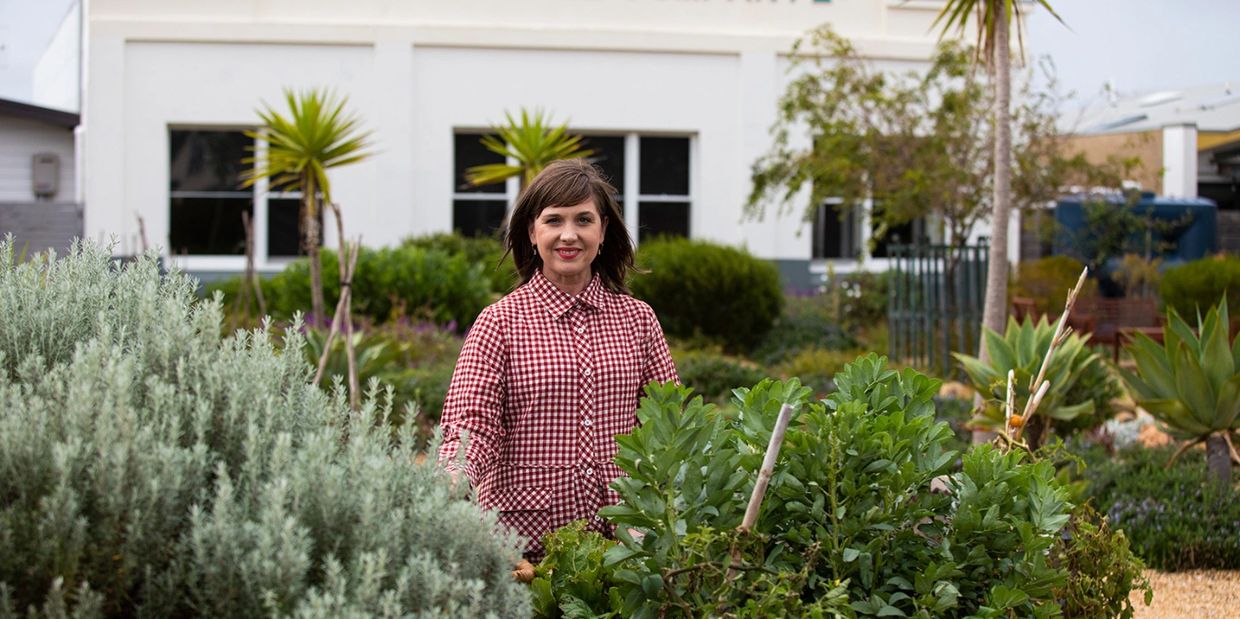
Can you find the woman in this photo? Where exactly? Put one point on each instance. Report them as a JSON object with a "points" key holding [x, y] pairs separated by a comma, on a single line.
{"points": [[552, 372]]}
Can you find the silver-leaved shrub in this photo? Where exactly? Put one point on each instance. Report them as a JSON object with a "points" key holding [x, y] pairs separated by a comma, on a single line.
{"points": [[149, 468]]}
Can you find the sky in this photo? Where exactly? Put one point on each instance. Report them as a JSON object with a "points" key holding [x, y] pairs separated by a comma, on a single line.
{"points": [[1137, 45]]}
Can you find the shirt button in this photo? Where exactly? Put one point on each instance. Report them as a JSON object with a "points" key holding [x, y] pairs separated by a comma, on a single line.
{"points": [[586, 371], [581, 329], [589, 472], [586, 422]]}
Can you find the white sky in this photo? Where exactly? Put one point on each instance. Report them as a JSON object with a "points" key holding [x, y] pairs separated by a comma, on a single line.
{"points": [[1140, 45]]}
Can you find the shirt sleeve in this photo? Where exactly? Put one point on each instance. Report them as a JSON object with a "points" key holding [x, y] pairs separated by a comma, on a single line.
{"points": [[658, 365], [475, 401]]}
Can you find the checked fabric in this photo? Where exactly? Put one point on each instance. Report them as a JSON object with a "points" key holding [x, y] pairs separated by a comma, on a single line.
{"points": [[543, 384]]}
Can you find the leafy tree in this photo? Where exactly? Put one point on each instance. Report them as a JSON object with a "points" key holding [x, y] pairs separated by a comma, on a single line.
{"points": [[315, 136], [532, 142], [914, 144]]}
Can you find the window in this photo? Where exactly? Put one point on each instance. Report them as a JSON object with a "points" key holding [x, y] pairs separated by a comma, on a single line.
{"points": [[663, 200], [206, 199], [653, 169], [836, 232], [902, 234], [476, 211]]}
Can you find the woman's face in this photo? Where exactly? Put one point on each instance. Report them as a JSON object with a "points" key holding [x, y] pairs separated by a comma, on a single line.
{"points": [[568, 239]]}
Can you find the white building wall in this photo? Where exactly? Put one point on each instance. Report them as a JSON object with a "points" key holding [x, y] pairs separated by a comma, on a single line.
{"points": [[416, 70], [21, 139]]}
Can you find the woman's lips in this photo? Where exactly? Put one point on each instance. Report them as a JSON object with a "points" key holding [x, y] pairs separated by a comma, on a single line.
{"points": [[567, 253]]}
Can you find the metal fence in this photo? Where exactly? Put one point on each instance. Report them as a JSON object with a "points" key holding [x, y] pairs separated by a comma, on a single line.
{"points": [[935, 298]]}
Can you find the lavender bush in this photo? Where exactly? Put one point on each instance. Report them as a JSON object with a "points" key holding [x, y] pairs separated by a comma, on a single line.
{"points": [[150, 469]]}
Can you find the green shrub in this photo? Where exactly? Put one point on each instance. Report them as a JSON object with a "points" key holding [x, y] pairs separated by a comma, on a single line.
{"points": [[152, 469], [850, 525], [860, 298], [713, 374], [1102, 572], [816, 368], [805, 323], [415, 359], [1172, 517], [1200, 284], [429, 284], [1048, 280], [709, 291], [483, 251]]}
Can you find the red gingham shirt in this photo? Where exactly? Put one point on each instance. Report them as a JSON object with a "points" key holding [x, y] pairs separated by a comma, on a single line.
{"points": [[544, 383]]}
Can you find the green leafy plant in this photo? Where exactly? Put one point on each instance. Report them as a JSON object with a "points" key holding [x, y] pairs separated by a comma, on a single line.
{"points": [[571, 580], [806, 322], [816, 368], [484, 251], [1174, 518], [1102, 570], [390, 283], [1048, 280], [1081, 384], [315, 136], [712, 373], [1201, 284], [532, 141], [851, 525], [703, 290], [1191, 384], [153, 468]]}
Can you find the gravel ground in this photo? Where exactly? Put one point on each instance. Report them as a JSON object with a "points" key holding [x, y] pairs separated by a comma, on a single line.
{"points": [[1199, 594]]}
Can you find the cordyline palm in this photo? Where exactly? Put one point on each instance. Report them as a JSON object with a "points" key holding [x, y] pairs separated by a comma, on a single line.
{"points": [[994, 19], [532, 143], [315, 136]]}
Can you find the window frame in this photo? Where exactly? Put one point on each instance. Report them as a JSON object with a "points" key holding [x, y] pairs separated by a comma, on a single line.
{"points": [[629, 195], [259, 193]]}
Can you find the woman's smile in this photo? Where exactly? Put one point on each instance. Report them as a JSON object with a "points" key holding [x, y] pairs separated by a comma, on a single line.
{"points": [[568, 253]]}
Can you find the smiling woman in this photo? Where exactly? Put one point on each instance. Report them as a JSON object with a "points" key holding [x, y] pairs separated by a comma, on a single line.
{"points": [[551, 373]]}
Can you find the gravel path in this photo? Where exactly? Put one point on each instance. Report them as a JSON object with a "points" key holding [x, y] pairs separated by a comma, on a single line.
{"points": [[1199, 594]]}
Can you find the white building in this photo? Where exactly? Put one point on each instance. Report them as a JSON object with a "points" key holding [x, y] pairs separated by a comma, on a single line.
{"points": [[38, 193], [677, 95]]}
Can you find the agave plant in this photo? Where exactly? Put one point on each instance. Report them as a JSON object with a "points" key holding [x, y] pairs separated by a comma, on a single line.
{"points": [[1191, 384], [1081, 383], [531, 142]]}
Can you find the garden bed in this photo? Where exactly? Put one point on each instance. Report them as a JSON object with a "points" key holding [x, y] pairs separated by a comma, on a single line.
{"points": [[1195, 594]]}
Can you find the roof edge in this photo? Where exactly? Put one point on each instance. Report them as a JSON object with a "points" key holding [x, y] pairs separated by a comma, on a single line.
{"points": [[29, 111]]}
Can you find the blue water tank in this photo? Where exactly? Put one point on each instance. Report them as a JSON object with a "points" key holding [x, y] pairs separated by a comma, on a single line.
{"points": [[1196, 238]]}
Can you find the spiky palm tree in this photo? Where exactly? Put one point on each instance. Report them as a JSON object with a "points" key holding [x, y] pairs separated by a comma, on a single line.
{"points": [[994, 20], [315, 136], [532, 142]]}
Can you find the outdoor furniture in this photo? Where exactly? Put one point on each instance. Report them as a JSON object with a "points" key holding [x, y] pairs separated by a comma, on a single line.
{"points": [[1110, 321]]}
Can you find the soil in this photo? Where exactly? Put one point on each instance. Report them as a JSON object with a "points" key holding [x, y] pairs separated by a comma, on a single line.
{"points": [[1196, 594]]}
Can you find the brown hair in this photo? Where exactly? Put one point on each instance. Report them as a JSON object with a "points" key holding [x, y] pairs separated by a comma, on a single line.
{"points": [[569, 182]]}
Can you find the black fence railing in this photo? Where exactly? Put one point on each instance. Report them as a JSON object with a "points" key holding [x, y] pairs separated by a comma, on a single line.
{"points": [[935, 301]]}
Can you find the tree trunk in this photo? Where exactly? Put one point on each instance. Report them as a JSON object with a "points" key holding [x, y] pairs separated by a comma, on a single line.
{"points": [[994, 311], [1218, 460], [310, 223]]}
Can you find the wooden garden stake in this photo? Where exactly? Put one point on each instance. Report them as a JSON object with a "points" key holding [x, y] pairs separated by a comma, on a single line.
{"points": [[350, 354], [345, 291], [1039, 385], [768, 467]]}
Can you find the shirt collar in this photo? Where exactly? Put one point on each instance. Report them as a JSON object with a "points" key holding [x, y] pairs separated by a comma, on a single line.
{"points": [[559, 302]]}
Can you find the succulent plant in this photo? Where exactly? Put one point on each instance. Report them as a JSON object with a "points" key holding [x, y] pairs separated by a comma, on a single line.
{"points": [[1080, 381], [1191, 384]]}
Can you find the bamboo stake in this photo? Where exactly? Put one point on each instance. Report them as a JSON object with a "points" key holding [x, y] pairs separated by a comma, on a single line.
{"points": [[345, 288], [768, 467], [349, 350], [1039, 385]]}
